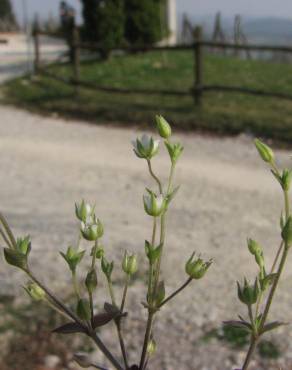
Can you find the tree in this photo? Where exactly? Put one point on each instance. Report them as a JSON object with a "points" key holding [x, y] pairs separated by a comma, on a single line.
{"points": [[145, 21], [7, 19], [104, 22]]}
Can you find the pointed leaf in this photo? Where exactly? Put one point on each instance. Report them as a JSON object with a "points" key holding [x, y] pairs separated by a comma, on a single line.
{"points": [[70, 328], [238, 324], [273, 325], [103, 318]]}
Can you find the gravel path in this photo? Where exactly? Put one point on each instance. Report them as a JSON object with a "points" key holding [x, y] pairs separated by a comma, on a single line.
{"points": [[227, 194]]}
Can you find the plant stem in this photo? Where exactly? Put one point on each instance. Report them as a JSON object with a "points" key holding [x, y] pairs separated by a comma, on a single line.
{"points": [[105, 351], [250, 353], [277, 257], [146, 339], [8, 230], [125, 293], [154, 176], [176, 292], [75, 284], [8, 243], [274, 286]]}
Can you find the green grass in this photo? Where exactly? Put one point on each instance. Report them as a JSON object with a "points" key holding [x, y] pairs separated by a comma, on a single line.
{"points": [[224, 113]]}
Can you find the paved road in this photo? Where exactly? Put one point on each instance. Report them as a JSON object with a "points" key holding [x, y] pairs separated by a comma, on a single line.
{"points": [[227, 194], [16, 57]]}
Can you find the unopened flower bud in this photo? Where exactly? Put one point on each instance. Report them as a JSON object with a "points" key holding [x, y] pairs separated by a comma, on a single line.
{"points": [[154, 205], [130, 265], [286, 179], [287, 232], [265, 151], [256, 250], [83, 211], [163, 127], [35, 291], [15, 258], [23, 245], [248, 294], [151, 348], [92, 232], [174, 151], [73, 257], [91, 281], [83, 309], [146, 147], [107, 267], [196, 268]]}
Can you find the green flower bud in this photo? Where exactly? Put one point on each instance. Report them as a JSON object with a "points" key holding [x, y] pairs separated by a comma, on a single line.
{"points": [[196, 268], [265, 151], [286, 179], [254, 247], [248, 294], [73, 257], [107, 267], [83, 309], [91, 281], [15, 258], [163, 127], [35, 291], [99, 252], [23, 245], [130, 265], [154, 205], [151, 348], [82, 360], [287, 232], [83, 211], [152, 253], [92, 232], [174, 151], [146, 147], [256, 250]]}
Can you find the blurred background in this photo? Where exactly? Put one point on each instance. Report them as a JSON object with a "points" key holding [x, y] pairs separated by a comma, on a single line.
{"points": [[78, 81]]}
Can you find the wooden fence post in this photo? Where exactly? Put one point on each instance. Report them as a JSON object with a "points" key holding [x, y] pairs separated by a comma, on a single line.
{"points": [[76, 56], [198, 65], [36, 38]]}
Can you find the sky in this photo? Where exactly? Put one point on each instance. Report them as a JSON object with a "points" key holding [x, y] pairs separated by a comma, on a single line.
{"points": [[255, 8]]}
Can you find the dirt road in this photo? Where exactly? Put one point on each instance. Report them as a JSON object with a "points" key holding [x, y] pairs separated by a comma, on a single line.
{"points": [[227, 195]]}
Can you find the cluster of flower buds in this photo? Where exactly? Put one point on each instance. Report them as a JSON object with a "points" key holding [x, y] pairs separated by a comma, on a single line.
{"points": [[130, 264], [146, 147], [35, 291], [196, 268], [73, 257], [91, 227], [248, 294], [154, 205], [18, 255]]}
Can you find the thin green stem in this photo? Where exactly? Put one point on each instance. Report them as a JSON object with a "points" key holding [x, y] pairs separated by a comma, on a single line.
{"points": [[75, 284], [128, 277], [277, 257], [7, 241], [287, 204], [118, 325], [8, 230], [250, 353], [154, 176], [176, 292], [146, 339], [90, 295]]}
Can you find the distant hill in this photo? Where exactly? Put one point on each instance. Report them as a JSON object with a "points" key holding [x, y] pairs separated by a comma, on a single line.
{"points": [[269, 30]]}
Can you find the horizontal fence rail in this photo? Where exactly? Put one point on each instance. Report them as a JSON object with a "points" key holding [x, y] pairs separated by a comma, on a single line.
{"points": [[198, 46]]}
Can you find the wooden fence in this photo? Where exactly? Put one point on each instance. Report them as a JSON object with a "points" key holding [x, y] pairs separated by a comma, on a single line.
{"points": [[198, 47]]}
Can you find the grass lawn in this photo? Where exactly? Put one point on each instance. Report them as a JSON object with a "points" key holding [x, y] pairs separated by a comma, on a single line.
{"points": [[224, 113]]}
